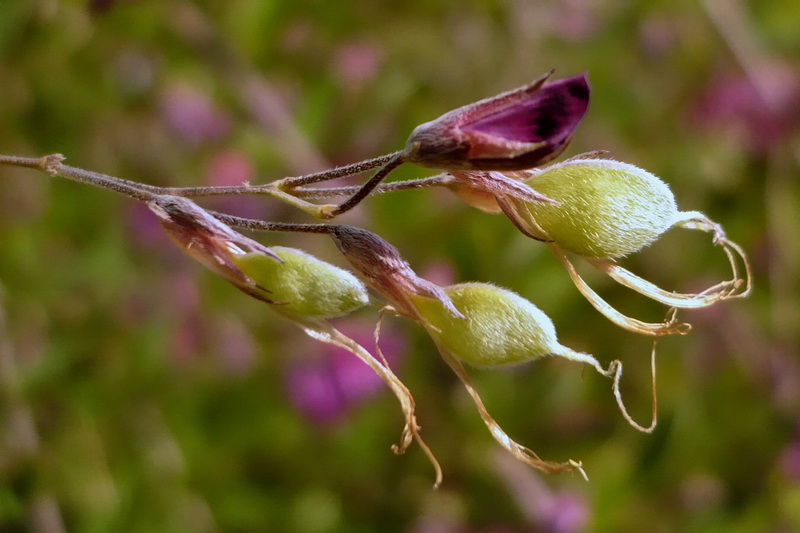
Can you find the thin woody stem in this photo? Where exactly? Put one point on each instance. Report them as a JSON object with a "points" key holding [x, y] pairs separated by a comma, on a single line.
{"points": [[52, 165], [338, 172], [287, 185], [313, 193], [284, 184], [283, 190], [395, 161], [316, 193], [254, 224]]}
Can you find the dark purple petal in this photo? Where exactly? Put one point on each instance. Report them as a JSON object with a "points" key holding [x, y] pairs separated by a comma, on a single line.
{"points": [[551, 114], [315, 394]]}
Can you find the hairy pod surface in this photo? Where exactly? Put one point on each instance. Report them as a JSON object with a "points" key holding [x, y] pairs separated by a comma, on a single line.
{"points": [[606, 208], [501, 327], [309, 286]]}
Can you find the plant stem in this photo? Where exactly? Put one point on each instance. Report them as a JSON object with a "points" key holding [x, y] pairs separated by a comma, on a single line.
{"points": [[263, 225], [104, 180], [52, 165], [316, 193], [395, 161], [285, 184], [283, 190], [338, 172]]}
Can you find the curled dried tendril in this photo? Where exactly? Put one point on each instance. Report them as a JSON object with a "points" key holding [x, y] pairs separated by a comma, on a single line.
{"points": [[323, 331], [525, 454], [670, 325], [737, 287], [520, 452], [523, 334]]}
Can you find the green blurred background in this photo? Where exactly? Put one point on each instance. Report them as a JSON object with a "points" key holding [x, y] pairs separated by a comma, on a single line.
{"points": [[139, 393]]}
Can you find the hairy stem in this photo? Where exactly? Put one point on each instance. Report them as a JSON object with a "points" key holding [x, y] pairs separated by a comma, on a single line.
{"points": [[338, 172], [284, 184], [327, 192], [255, 224], [53, 166], [395, 161], [283, 190]]}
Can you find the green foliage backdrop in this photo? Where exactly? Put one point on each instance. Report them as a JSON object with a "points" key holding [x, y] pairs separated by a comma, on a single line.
{"points": [[141, 394]]}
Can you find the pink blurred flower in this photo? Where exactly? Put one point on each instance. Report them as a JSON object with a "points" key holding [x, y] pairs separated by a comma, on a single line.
{"points": [[564, 512], [355, 64], [546, 509], [234, 345], [441, 273], [790, 462], [192, 114], [229, 168], [576, 20], [327, 386], [146, 232], [732, 101], [232, 168]]}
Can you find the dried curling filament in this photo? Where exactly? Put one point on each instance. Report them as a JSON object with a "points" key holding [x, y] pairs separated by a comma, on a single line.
{"points": [[607, 209], [503, 328]]}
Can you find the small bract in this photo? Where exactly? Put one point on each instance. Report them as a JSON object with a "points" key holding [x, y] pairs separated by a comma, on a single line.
{"points": [[501, 327], [605, 208], [307, 285]]}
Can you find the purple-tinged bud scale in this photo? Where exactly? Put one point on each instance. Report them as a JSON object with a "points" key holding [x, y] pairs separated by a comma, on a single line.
{"points": [[382, 267]]}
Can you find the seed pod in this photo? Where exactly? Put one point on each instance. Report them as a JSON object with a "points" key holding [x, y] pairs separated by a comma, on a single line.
{"points": [[501, 327], [309, 286], [605, 208]]}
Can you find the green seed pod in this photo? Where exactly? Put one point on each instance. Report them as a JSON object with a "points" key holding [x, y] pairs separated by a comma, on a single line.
{"points": [[606, 208], [309, 286], [501, 327]]}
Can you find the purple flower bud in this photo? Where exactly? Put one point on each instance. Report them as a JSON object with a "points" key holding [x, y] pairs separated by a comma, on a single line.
{"points": [[518, 129], [193, 115]]}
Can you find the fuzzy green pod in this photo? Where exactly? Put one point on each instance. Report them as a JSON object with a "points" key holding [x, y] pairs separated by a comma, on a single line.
{"points": [[501, 327], [606, 208], [309, 286]]}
